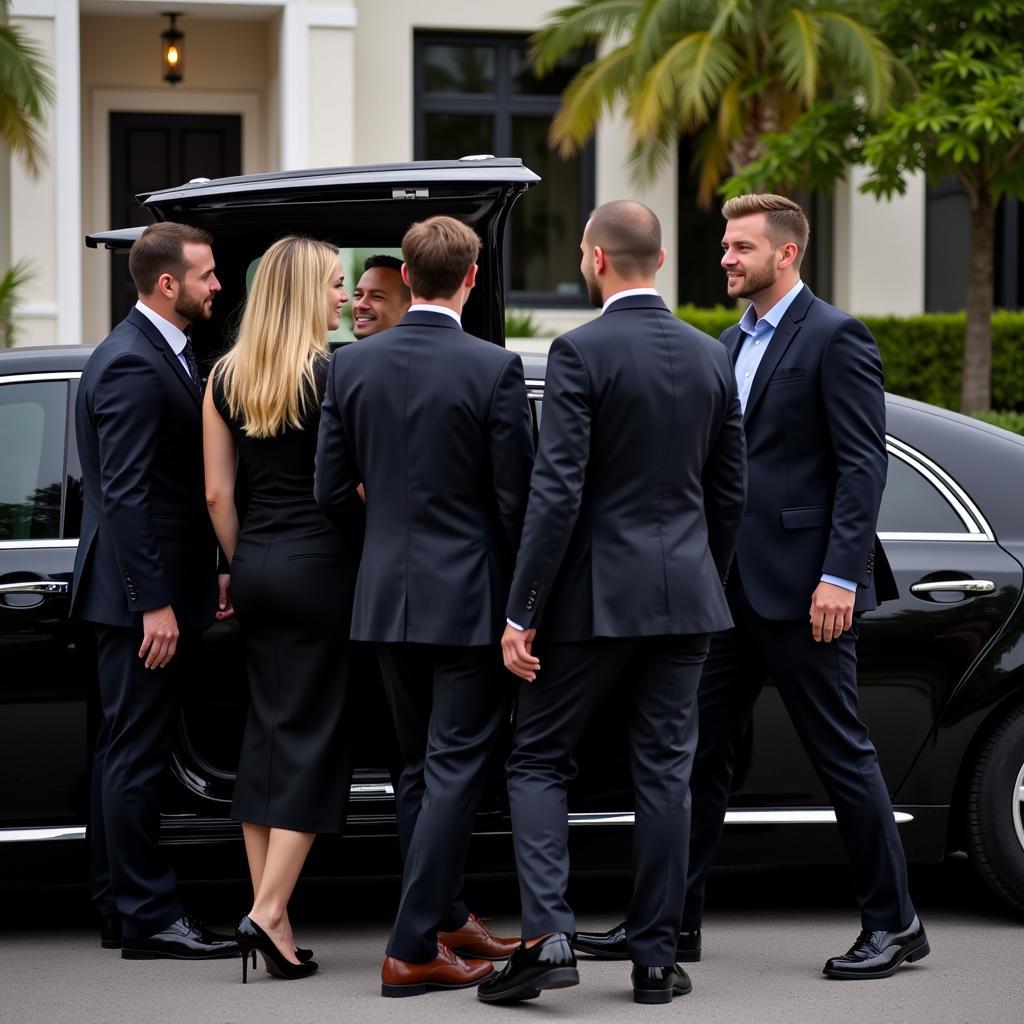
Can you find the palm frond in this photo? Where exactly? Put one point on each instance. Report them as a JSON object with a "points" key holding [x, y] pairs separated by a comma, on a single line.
{"points": [[663, 20], [858, 48], [711, 162], [714, 65], [658, 94], [11, 283], [26, 90], [578, 25], [797, 39], [595, 88]]}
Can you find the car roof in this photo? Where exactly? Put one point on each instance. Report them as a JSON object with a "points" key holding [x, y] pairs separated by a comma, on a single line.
{"points": [[44, 359]]}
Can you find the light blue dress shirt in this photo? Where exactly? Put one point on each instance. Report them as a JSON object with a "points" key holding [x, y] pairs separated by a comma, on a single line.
{"points": [[758, 335], [174, 336]]}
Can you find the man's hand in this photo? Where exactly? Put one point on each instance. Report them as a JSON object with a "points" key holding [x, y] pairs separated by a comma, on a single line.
{"points": [[831, 611], [225, 609], [159, 636], [517, 650]]}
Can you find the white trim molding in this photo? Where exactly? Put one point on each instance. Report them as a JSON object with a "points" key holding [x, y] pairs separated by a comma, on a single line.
{"points": [[33, 9], [332, 17], [68, 175]]}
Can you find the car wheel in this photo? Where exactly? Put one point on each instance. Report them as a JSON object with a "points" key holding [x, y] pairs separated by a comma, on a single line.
{"points": [[995, 811]]}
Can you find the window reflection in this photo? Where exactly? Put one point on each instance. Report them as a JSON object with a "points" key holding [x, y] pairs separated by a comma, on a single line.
{"points": [[32, 426]]}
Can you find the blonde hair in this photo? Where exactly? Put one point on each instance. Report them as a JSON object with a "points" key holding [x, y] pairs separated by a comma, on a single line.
{"points": [[267, 375], [785, 221]]}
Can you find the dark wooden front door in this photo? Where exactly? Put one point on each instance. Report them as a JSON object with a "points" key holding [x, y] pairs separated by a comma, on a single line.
{"points": [[155, 151]]}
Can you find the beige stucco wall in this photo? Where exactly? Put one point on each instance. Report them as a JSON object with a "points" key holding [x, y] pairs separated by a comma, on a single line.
{"points": [[879, 249]]}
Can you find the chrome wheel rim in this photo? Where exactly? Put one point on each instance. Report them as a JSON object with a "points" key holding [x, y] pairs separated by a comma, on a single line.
{"points": [[1018, 807]]}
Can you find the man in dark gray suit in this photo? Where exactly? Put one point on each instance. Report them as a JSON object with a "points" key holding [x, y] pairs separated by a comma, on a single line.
{"points": [[635, 502], [436, 425]]}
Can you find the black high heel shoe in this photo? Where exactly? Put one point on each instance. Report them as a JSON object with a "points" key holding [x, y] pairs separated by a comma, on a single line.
{"points": [[303, 955], [252, 937]]}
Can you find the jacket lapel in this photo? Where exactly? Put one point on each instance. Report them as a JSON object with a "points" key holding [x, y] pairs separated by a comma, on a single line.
{"points": [[158, 341], [784, 334]]}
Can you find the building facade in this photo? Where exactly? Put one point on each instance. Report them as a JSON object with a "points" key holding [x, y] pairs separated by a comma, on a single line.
{"points": [[285, 84]]}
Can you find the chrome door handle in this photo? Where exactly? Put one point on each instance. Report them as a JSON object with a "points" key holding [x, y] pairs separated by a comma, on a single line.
{"points": [[49, 587], [967, 586]]}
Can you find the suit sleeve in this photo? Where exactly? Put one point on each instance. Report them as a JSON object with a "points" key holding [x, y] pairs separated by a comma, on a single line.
{"points": [[511, 434], [854, 399], [556, 488], [337, 475], [126, 400], [725, 481]]}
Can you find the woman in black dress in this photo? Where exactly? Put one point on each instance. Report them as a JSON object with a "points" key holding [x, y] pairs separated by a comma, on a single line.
{"points": [[292, 581]]}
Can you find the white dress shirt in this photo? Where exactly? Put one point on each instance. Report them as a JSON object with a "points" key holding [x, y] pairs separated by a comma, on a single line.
{"points": [[429, 307], [174, 336]]}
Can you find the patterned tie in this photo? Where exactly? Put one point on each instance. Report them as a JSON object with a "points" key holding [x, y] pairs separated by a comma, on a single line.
{"points": [[193, 367]]}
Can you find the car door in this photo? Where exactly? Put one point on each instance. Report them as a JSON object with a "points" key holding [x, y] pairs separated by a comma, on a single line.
{"points": [[46, 662], [957, 587]]}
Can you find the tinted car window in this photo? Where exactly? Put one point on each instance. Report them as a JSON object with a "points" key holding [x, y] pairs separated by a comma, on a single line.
{"points": [[32, 424], [911, 504]]}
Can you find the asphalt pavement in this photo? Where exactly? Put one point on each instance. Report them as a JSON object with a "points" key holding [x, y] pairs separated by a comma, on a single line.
{"points": [[767, 934]]}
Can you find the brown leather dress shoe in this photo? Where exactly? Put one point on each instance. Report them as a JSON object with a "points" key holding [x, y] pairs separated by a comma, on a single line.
{"points": [[402, 978], [475, 939]]}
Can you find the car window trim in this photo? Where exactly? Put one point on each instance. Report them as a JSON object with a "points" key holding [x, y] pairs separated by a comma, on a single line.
{"points": [[977, 528], [35, 543]]}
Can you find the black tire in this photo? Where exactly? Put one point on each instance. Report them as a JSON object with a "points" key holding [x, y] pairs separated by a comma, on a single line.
{"points": [[995, 811]]}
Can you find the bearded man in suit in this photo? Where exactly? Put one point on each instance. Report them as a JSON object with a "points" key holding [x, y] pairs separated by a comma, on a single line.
{"points": [[634, 505], [808, 564], [145, 579]]}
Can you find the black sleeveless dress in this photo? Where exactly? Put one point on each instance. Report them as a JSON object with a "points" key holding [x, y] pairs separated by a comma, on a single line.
{"points": [[292, 583]]}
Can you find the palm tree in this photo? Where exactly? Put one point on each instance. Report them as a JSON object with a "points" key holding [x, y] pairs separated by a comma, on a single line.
{"points": [[726, 71], [26, 89]]}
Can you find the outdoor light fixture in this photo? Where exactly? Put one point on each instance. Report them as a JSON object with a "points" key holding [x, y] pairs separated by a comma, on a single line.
{"points": [[173, 50]]}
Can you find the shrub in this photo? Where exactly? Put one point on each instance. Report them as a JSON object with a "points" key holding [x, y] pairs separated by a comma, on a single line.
{"points": [[1012, 421], [923, 354], [520, 324]]}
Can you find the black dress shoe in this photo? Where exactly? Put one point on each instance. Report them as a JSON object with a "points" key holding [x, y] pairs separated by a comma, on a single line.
{"points": [[878, 954], [110, 932], [530, 970], [611, 945], [659, 984], [184, 939]]}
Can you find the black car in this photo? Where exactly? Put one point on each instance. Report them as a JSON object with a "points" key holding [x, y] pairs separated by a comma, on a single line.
{"points": [[941, 668]]}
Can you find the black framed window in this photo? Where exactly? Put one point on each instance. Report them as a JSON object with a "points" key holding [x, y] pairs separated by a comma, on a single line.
{"points": [[477, 93]]}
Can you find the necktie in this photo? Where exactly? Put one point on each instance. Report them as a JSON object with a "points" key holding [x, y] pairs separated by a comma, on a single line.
{"points": [[193, 367]]}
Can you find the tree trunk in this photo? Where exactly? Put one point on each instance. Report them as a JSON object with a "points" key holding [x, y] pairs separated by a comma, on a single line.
{"points": [[976, 385]]}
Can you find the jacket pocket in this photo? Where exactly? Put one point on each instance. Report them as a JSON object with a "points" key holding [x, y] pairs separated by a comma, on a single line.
{"points": [[786, 374], [807, 517]]}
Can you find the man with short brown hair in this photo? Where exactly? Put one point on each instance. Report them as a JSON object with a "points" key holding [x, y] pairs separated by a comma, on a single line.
{"points": [[436, 424], [145, 580], [807, 565]]}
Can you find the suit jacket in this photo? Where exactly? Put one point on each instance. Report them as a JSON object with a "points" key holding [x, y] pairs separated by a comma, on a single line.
{"points": [[638, 488], [436, 424], [146, 537], [816, 462]]}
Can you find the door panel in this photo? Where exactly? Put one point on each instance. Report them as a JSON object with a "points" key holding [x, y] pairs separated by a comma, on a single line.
{"points": [[155, 151], [46, 664]]}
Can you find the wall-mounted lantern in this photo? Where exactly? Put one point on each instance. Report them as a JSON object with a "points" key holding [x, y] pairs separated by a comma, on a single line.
{"points": [[173, 50]]}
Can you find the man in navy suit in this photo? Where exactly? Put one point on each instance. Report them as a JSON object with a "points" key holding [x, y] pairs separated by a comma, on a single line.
{"points": [[634, 505], [807, 565], [145, 579], [436, 425]]}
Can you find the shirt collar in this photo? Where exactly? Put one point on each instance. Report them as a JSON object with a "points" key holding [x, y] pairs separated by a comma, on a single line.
{"points": [[749, 322], [429, 307], [174, 337], [626, 293]]}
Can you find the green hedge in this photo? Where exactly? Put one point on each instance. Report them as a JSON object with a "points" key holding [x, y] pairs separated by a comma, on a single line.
{"points": [[923, 354]]}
